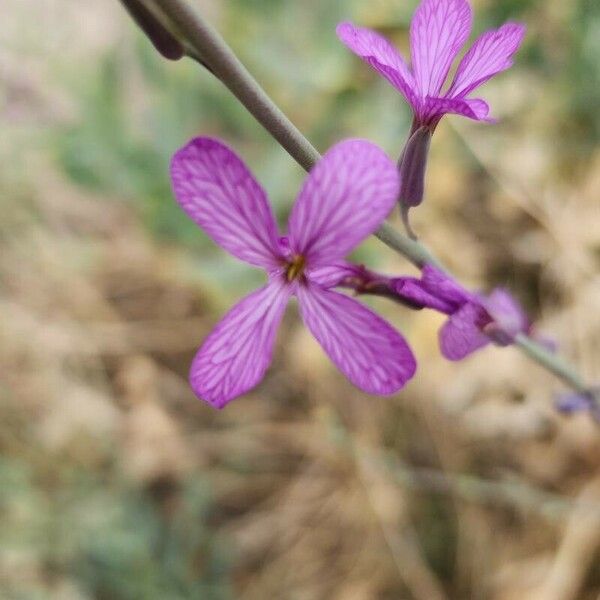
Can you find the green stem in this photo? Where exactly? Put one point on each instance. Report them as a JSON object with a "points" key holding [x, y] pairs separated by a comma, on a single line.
{"points": [[551, 362], [206, 42], [213, 49]]}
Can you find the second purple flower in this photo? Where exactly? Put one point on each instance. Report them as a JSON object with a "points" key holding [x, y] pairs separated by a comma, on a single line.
{"points": [[438, 31]]}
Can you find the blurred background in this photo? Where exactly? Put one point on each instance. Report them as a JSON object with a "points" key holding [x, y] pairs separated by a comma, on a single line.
{"points": [[116, 483]]}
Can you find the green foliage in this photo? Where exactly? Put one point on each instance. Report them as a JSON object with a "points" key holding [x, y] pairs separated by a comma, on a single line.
{"points": [[116, 150], [115, 541], [583, 71]]}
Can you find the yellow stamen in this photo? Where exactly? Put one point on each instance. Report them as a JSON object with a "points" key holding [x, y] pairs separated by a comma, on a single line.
{"points": [[295, 267]]}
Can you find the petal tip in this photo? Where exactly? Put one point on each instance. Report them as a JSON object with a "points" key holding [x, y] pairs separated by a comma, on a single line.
{"points": [[345, 28], [350, 35], [216, 402], [516, 26], [198, 144]]}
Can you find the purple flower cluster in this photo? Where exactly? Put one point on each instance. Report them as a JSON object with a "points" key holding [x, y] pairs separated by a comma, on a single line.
{"points": [[345, 198]]}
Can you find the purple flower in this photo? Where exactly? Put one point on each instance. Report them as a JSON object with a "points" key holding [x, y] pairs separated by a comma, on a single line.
{"points": [[577, 402], [438, 31], [474, 320], [344, 199]]}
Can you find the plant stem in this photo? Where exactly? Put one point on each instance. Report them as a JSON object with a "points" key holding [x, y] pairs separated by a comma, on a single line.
{"points": [[213, 49], [551, 362], [202, 40]]}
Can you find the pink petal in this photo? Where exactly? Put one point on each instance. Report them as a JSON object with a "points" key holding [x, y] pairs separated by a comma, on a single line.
{"points": [[438, 31], [508, 315], [345, 197], [236, 354], [380, 54], [461, 334], [491, 53], [436, 281], [372, 355], [476, 109], [217, 191], [332, 275], [413, 291]]}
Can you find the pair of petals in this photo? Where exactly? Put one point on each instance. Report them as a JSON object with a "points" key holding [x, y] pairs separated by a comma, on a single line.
{"points": [[438, 31], [235, 356], [344, 199], [346, 196]]}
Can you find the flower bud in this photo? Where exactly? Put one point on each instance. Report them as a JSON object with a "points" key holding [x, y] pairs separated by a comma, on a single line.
{"points": [[412, 164], [162, 39]]}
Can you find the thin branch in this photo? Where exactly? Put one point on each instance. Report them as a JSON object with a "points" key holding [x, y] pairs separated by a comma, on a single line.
{"points": [[213, 49], [551, 362]]}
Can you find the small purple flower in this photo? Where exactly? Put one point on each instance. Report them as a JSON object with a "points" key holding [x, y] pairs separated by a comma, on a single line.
{"points": [[474, 320], [345, 198], [438, 31], [576, 402]]}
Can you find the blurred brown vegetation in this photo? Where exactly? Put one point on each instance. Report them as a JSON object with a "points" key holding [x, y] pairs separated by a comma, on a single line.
{"points": [[116, 483]]}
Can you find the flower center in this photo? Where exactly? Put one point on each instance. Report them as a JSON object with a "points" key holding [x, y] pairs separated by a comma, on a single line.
{"points": [[295, 267]]}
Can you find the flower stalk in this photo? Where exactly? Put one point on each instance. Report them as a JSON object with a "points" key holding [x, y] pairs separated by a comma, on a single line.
{"points": [[200, 39]]}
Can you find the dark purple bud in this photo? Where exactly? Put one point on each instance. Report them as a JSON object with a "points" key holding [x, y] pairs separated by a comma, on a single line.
{"points": [[413, 163], [162, 39], [572, 402]]}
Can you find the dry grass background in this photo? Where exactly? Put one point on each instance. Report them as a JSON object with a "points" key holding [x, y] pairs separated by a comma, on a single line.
{"points": [[116, 483]]}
